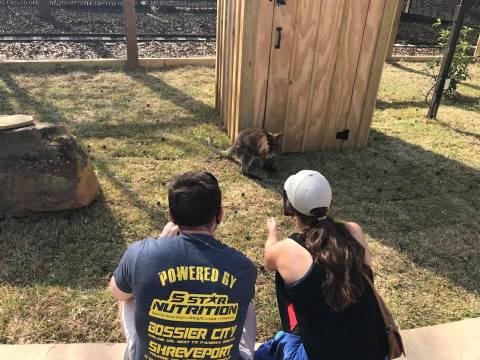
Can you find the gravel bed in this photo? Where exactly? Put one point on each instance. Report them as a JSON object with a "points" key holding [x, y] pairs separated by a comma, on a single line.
{"points": [[415, 51], [424, 33], [38, 50], [113, 50], [26, 20]]}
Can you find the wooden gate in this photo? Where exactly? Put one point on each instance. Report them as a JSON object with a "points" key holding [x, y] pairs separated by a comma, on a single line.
{"points": [[309, 68]]}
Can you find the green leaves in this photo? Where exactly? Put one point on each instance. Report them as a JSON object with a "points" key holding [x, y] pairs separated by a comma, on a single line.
{"points": [[459, 70]]}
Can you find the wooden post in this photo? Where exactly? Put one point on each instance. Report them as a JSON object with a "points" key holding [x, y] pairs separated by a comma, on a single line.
{"points": [[447, 59], [130, 21], [45, 10], [394, 31], [477, 50]]}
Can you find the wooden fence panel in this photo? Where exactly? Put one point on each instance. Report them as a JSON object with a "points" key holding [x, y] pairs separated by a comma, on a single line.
{"points": [[367, 53], [262, 43], [281, 53], [326, 51], [306, 32], [375, 74], [219, 57], [346, 68]]}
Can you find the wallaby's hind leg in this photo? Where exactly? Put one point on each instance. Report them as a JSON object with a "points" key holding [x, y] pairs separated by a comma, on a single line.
{"points": [[268, 164], [246, 162]]}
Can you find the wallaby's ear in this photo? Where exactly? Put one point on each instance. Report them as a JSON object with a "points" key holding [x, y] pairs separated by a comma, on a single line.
{"points": [[277, 135]]}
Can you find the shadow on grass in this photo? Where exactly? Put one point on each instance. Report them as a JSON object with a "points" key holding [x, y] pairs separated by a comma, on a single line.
{"points": [[79, 249], [382, 104], [45, 111], [416, 201], [154, 213], [42, 111], [419, 202], [178, 97], [76, 249], [469, 103], [458, 131], [428, 75]]}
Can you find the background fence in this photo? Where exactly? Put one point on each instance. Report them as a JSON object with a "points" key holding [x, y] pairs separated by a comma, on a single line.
{"points": [[419, 15], [181, 19], [183, 4], [444, 9], [95, 29]]}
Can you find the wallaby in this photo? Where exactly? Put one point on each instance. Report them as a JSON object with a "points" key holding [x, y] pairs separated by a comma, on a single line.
{"points": [[252, 144]]}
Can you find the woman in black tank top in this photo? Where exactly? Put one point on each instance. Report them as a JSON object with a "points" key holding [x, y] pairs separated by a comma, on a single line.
{"points": [[328, 312]]}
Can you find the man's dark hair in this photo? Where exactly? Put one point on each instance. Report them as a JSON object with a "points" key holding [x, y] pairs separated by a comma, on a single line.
{"points": [[194, 199]]}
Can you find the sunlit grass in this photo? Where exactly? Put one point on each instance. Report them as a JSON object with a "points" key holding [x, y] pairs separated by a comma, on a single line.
{"points": [[415, 190]]}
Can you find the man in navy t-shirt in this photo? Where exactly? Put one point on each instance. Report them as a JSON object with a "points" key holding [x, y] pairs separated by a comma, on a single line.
{"points": [[190, 292]]}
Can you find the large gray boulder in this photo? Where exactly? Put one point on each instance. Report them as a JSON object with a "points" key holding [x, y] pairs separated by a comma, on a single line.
{"points": [[43, 168]]}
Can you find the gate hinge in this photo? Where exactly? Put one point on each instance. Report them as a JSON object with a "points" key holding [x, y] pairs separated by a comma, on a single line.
{"points": [[343, 135]]}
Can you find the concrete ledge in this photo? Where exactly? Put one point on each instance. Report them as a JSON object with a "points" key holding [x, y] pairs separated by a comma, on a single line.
{"points": [[63, 352], [420, 58], [454, 341], [144, 63]]}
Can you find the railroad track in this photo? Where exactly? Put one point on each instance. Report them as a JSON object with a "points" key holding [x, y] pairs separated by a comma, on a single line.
{"points": [[104, 37]]}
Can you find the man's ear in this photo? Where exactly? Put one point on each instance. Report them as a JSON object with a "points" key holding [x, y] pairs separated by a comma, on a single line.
{"points": [[170, 216], [221, 213]]}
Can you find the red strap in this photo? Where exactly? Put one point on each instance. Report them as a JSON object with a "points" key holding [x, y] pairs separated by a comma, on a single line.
{"points": [[292, 318]]}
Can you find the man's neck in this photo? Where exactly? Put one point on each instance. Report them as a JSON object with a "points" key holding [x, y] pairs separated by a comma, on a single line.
{"points": [[199, 230]]}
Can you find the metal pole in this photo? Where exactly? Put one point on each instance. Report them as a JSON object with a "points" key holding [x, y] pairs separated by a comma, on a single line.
{"points": [[447, 58], [409, 6], [477, 50]]}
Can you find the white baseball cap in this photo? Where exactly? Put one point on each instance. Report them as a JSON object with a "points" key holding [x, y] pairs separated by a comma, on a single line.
{"points": [[308, 190]]}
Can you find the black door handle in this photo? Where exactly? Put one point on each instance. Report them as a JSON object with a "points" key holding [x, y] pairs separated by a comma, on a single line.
{"points": [[278, 40]]}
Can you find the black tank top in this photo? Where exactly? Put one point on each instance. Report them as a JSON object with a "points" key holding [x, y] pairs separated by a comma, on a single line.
{"points": [[356, 333]]}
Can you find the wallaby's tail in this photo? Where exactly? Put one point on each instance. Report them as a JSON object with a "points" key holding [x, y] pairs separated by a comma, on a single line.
{"points": [[225, 153]]}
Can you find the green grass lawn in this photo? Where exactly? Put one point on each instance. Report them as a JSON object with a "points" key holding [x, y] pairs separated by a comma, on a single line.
{"points": [[415, 189]]}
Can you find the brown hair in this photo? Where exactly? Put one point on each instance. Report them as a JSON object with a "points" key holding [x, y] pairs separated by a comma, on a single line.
{"points": [[338, 254]]}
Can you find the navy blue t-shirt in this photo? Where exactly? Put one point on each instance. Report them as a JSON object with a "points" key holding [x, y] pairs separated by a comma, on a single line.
{"points": [[191, 295]]}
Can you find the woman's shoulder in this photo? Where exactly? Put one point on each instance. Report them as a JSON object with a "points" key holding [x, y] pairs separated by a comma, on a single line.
{"points": [[294, 261], [357, 232]]}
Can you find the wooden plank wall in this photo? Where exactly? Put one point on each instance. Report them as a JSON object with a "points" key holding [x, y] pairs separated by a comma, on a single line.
{"points": [[326, 50], [394, 30], [302, 67], [345, 73], [257, 41], [231, 24], [284, 18], [323, 79], [364, 70], [219, 57], [244, 27], [375, 73]]}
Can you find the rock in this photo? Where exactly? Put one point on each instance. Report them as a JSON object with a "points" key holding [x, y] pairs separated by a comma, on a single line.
{"points": [[15, 121], [43, 168]]}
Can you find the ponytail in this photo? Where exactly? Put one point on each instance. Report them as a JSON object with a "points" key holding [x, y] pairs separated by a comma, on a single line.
{"points": [[340, 257]]}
